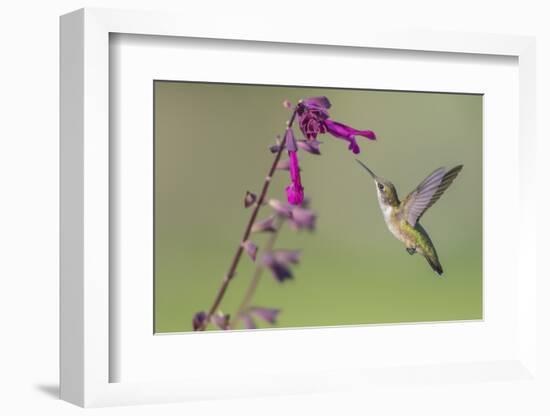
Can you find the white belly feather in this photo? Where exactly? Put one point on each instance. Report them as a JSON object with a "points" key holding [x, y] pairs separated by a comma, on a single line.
{"points": [[387, 212]]}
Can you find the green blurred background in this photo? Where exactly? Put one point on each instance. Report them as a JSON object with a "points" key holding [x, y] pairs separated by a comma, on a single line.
{"points": [[211, 145]]}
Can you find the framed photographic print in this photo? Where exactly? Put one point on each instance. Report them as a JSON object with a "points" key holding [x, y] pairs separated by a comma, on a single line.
{"points": [[285, 210], [356, 276]]}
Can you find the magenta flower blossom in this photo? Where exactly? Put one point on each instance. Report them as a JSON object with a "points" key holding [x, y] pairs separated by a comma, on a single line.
{"points": [[294, 191], [313, 118], [312, 113], [348, 133]]}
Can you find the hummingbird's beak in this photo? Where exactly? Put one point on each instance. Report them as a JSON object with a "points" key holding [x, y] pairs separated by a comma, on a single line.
{"points": [[367, 169]]}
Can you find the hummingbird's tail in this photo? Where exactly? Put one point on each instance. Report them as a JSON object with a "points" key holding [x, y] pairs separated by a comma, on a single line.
{"points": [[434, 263]]}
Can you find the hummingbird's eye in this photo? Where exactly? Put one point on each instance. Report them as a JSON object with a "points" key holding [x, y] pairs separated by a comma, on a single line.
{"points": [[381, 186]]}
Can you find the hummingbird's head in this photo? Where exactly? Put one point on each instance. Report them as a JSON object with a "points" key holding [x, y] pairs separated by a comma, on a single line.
{"points": [[387, 195]]}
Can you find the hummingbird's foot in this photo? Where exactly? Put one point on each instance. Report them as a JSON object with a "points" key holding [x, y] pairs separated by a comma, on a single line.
{"points": [[411, 250]]}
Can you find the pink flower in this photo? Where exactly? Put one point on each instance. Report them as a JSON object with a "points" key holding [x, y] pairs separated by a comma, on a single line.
{"points": [[265, 226], [313, 118], [348, 133], [294, 191]]}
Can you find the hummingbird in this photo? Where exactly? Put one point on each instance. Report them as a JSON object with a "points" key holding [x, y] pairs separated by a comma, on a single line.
{"points": [[402, 216]]}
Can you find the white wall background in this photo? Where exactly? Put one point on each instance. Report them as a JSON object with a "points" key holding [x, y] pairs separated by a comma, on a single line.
{"points": [[29, 187]]}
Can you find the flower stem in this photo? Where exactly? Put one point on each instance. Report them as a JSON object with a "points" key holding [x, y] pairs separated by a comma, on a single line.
{"points": [[251, 290], [237, 257]]}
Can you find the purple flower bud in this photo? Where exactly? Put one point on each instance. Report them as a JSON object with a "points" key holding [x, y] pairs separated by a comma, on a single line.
{"points": [[294, 194], [310, 146], [280, 208], [303, 218], [248, 322], [250, 248], [199, 320], [275, 148], [287, 104], [280, 271], [294, 191], [249, 199], [299, 216], [313, 119], [221, 320], [266, 314], [321, 102], [290, 141], [287, 256], [264, 225]]}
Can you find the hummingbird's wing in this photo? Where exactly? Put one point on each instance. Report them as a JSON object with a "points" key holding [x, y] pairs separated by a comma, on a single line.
{"points": [[427, 193]]}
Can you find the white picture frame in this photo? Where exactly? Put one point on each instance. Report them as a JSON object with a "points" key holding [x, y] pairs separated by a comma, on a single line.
{"points": [[87, 328]]}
